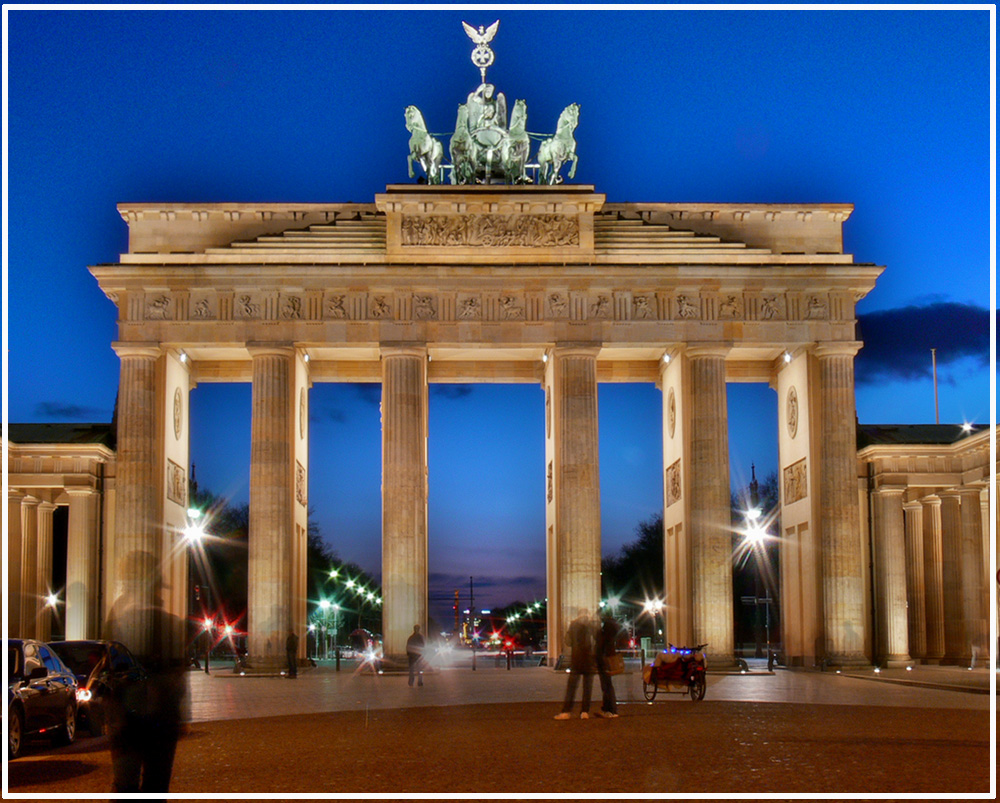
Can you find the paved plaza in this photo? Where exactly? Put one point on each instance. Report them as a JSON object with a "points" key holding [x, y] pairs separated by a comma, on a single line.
{"points": [[491, 731]]}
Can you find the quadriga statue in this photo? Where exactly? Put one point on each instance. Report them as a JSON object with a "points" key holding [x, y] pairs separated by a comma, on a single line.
{"points": [[462, 149], [554, 152], [515, 147], [424, 149]]}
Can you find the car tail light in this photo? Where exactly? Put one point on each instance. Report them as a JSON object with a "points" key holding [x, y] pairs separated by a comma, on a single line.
{"points": [[83, 695]]}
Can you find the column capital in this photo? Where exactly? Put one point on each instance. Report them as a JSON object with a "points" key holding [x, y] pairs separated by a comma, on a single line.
{"points": [[30, 501], [891, 490], [14, 495], [149, 350], [695, 351], [913, 504], [570, 349], [933, 500], [80, 490], [847, 348], [264, 349], [47, 507], [402, 349]]}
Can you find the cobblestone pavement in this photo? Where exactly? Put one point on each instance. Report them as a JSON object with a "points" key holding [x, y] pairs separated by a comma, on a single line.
{"points": [[492, 732]]}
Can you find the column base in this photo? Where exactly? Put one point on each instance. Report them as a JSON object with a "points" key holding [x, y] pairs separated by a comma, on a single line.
{"points": [[262, 665], [899, 662]]}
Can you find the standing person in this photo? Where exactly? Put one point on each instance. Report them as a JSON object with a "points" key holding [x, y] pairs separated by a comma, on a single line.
{"points": [[607, 637], [144, 709], [292, 653], [415, 655], [581, 640]]}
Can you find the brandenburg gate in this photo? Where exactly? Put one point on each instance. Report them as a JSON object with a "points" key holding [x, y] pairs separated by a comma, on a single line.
{"points": [[496, 277]]}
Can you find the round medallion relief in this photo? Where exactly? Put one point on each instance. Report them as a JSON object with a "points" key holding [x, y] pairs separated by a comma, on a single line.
{"points": [[792, 411], [671, 412], [302, 413], [177, 413]]}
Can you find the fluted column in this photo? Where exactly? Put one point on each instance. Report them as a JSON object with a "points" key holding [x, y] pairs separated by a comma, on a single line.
{"points": [[272, 495], [955, 651], [890, 573], [840, 540], [711, 526], [29, 566], [81, 565], [933, 578], [975, 597], [14, 547], [913, 519], [404, 495], [137, 501], [577, 483], [43, 576]]}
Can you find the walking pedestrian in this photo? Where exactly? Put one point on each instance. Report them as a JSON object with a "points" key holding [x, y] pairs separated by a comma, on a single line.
{"points": [[415, 655], [580, 639], [292, 653], [607, 637]]}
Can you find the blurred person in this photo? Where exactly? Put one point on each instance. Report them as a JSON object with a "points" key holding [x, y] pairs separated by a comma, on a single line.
{"points": [[415, 655], [607, 638], [581, 639], [292, 653], [145, 711]]}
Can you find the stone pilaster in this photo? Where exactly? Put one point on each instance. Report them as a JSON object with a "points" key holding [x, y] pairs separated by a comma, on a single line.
{"points": [[138, 507], [272, 497], [975, 596], [840, 540], [43, 576], [14, 547], [29, 566], [890, 578], [81, 565], [576, 487], [711, 525], [955, 648], [933, 578], [404, 495], [913, 519]]}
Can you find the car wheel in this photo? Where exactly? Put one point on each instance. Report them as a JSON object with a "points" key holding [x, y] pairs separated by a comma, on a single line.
{"points": [[15, 733], [67, 732]]}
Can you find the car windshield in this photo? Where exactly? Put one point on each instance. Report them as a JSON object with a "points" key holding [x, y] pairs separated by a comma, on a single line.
{"points": [[13, 661], [81, 658]]}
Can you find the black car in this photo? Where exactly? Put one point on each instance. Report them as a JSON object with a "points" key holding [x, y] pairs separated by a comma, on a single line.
{"points": [[100, 667], [41, 695]]}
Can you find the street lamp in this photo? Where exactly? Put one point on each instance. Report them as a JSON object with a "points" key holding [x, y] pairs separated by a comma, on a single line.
{"points": [[755, 536], [652, 606]]}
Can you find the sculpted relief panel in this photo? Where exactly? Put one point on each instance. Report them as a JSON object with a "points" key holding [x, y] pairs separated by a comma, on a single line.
{"points": [[529, 231], [794, 485]]}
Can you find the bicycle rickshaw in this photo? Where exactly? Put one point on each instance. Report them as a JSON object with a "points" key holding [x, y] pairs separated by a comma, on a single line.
{"points": [[676, 670]]}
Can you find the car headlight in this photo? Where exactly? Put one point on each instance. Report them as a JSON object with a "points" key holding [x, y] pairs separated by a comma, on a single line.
{"points": [[83, 695]]}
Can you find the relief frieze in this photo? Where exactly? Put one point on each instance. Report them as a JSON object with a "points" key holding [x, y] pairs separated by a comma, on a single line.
{"points": [[176, 483], [497, 231], [794, 482], [673, 483], [470, 308], [687, 307], [159, 308]]}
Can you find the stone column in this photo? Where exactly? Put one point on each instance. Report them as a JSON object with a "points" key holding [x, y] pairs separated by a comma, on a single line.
{"points": [[913, 516], [81, 565], [975, 596], [138, 506], [43, 576], [711, 525], [404, 495], [577, 484], [955, 648], [933, 578], [29, 565], [840, 539], [14, 547], [890, 578], [272, 496]]}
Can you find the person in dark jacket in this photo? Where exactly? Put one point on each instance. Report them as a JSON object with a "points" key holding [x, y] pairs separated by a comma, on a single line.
{"points": [[415, 655], [607, 637], [581, 640]]}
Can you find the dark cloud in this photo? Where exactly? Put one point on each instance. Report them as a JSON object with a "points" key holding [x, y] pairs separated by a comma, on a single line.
{"points": [[451, 391], [69, 412], [369, 392], [898, 342], [319, 414], [452, 581]]}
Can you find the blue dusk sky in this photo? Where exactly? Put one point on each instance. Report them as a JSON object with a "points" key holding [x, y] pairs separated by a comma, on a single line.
{"points": [[887, 110]]}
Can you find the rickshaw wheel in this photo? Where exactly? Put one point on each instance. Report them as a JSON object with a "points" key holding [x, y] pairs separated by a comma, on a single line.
{"points": [[649, 690], [697, 689]]}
